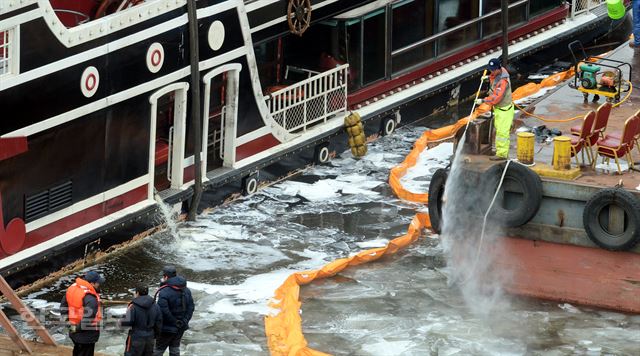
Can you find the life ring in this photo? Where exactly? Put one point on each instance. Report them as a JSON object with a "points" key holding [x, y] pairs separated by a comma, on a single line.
{"points": [[436, 193], [299, 16], [595, 218], [528, 184]]}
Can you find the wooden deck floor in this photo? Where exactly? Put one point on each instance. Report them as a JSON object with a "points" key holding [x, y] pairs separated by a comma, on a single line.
{"points": [[8, 348]]}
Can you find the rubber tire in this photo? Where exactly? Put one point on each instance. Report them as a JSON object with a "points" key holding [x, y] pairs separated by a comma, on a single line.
{"points": [[436, 193], [388, 125], [250, 184], [321, 154], [596, 233], [532, 191]]}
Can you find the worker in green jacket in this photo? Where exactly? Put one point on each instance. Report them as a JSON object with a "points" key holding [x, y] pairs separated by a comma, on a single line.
{"points": [[500, 99]]}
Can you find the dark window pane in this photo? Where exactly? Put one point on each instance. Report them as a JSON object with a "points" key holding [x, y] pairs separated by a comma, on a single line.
{"points": [[452, 13], [353, 41], [539, 6], [269, 63], [493, 25], [412, 21], [373, 47]]}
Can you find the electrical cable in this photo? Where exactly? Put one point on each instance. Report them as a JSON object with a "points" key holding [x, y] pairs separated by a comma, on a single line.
{"points": [[578, 116]]}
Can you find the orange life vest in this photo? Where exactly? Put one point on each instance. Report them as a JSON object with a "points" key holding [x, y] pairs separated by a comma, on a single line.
{"points": [[75, 296]]}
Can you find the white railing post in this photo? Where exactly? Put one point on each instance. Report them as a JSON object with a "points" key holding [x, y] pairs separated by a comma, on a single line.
{"points": [[573, 9]]}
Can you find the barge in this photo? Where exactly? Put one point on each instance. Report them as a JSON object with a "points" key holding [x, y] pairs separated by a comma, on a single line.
{"points": [[96, 96], [563, 232]]}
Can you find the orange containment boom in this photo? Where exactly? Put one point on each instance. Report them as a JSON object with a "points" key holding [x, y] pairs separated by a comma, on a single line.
{"points": [[284, 329]]}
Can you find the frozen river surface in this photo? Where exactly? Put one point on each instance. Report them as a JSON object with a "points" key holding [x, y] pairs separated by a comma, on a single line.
{"points": [[236, 255]]}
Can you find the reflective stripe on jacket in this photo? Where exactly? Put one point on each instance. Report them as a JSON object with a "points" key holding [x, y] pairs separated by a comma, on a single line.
{"points": [[500, 94], [75, 300]]}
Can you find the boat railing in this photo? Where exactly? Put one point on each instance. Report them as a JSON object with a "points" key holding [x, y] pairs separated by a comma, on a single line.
{"points": [[584, 6], [311, 101]]}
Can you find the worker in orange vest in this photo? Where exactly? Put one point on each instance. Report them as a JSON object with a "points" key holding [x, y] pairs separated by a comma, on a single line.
{"points": [[81, 307]]}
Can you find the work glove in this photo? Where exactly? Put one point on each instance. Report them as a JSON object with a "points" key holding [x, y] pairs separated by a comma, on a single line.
{"points": [[484, 77], [479, 101]]}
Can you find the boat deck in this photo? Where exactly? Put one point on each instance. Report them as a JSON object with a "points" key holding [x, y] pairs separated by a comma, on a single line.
{"points": [[565, 102]]}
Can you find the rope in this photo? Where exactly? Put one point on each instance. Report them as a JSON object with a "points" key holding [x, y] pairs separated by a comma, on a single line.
{"points": [[575, 117]]}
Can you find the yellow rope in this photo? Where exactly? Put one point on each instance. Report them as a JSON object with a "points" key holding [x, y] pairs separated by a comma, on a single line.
{"points": [[575, 117]]}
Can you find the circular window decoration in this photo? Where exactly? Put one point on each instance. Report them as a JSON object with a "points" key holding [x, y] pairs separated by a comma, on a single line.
{"points": [[216, 35], [155, 57], [89, 82]]}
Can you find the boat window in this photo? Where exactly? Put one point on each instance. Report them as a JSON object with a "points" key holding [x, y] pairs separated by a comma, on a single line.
{"points": [[354, 58], [493, 25], [412, 21], [7, 52], [540, 6], [77, 12], [452, 13], [290, 58], [374, 47]]}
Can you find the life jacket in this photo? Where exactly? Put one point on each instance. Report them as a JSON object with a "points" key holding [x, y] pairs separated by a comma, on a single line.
{"points": [[496, 86], [75, 297]]}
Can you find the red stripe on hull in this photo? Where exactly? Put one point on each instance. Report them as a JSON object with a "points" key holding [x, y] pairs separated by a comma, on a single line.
{"points": [[256, 146], [385, 86], [575, 274], [12, 146], [84, 217]]}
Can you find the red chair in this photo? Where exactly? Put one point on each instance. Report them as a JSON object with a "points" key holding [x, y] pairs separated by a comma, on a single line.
{"points": [[611, 147], [579, 142], [602, 118], [636, 138]]}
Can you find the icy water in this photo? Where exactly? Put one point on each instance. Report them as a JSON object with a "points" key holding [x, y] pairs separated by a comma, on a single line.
{"points": [[236, 255]]}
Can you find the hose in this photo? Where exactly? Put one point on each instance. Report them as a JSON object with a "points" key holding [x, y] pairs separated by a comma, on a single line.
{"points": [[484, 223], [578, 116], [473, 108]]}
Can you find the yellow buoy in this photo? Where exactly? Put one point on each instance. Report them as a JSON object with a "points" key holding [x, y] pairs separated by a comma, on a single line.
{"points": [[525, 147], [561, 153]]}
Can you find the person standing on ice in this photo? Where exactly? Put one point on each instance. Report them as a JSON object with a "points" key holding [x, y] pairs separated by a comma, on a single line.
{"points": [[500, 99], [176, 303], [82, 308], [145, 319]]}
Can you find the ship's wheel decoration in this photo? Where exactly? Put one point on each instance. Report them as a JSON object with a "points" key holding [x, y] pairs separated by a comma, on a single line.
{"points": [[108, 7], [299, 16], [89, 81], [155, 57]]}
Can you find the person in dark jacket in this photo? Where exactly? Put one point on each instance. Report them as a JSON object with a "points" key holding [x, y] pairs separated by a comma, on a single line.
{"points": [[81, 308], [175, 302], [145, 319]]}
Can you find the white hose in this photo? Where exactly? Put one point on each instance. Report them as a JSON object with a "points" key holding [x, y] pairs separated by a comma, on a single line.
{"points": [[484, 223]]}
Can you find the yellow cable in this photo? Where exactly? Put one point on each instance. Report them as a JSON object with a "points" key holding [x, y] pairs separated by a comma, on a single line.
{"points": [[575, 117]]}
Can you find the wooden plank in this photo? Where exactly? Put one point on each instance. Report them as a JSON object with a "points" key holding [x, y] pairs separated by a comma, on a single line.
{"points": [[26, 313], [13, 333]]}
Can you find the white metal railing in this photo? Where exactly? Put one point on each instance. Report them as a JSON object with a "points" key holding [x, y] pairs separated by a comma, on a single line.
{"points": [[584, 6], [311, 101]]}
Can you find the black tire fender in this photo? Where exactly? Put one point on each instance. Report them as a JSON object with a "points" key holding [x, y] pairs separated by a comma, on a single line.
{"points": [[436, 193], [592, 219], [531, 188]]}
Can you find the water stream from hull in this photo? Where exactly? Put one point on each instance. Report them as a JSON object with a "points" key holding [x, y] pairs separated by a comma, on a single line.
{"points": [[169, 217]]}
